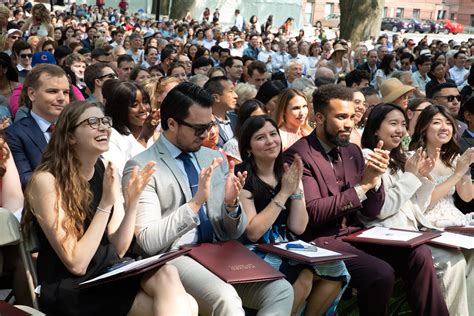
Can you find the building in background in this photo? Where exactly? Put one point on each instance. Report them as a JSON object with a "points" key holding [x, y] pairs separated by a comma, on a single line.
{"points": [[461, 11]]}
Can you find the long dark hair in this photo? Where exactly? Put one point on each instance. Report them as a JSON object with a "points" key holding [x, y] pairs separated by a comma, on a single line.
{"points": [[119, 100], [370, 140], [448, 150], [385, 64], [249, 128], [245, 111]]}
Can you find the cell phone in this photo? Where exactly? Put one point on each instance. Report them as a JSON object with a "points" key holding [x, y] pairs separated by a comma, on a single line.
{"points": [[119, 265], [300, 247]]}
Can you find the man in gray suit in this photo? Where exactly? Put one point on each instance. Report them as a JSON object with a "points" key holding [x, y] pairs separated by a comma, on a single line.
{"points": [[192, 198]]}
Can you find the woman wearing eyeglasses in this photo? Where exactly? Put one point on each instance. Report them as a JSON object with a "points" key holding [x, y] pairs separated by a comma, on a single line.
{"points": [[74, 204], [438, 76], [128, 104]]}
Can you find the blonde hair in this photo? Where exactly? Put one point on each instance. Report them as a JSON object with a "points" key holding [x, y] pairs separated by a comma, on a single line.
{"points": [[74, 58], [100, 42], [3, 41], [150, 85], [160, 89]]}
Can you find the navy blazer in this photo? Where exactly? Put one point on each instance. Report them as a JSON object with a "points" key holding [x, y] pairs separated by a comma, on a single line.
{"points": [[27, 143]]}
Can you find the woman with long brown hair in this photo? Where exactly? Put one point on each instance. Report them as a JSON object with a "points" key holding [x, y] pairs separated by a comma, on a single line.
{"points": [[74, 204], [436, 130]]}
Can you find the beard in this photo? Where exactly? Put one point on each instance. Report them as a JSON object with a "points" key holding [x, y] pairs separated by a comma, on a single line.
{"points": [[335, 139]]}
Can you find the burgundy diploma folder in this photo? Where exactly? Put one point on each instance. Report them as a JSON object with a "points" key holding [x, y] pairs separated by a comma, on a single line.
{"points": [[10, 310], [233, 262], [133, 268], [421, 238], [465, 230], [301, 257]]}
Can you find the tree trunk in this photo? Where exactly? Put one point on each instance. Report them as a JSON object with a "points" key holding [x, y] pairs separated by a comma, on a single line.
{"points": [[360, 19], [179, 8]]}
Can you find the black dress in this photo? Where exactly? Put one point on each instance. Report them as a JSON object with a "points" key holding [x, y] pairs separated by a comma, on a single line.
{"points": [[59, 295]]}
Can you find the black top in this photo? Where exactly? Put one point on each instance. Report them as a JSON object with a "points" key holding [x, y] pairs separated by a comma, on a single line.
{"points": [[261, 199], [59, 295]]}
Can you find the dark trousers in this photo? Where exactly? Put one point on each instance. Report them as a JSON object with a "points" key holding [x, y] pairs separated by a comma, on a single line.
{"points": [[373, 274]]}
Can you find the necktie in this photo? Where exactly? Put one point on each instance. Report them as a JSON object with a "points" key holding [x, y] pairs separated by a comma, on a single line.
{"points": [[337, 166], [205, 232], [51, 128]]}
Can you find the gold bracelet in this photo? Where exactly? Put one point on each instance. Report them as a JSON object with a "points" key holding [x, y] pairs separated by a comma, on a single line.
{"points": [[102, 210]]}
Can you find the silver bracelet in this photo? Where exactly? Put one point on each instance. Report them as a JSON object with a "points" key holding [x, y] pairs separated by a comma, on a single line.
{"points": [[102, 210], [232, 206], [280, 205]]}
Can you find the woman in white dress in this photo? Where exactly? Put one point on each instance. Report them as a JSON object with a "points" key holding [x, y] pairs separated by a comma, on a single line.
{"points": [[436, 130]]}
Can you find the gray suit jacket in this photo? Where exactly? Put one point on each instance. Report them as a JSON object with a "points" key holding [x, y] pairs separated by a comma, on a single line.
{"points": [[163, 213]]}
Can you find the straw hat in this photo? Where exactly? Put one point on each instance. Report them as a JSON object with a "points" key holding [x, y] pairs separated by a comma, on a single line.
{"points": [[391, 89], [338, 48]]}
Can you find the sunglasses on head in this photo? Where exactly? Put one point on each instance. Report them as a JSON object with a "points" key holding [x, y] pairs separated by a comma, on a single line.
{"points": [[199, 129]]}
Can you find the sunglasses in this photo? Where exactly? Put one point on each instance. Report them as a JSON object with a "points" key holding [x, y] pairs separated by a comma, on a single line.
{"points": [[450, 98], [49, 50], [26, 55], [95, 122], [199, 129], [15, 37]]}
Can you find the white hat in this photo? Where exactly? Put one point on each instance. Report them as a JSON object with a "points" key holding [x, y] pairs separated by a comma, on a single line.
{"points": [[11, 31]]}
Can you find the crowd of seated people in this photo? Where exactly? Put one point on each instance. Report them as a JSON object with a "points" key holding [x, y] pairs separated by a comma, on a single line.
{"points": [[125, 137]]}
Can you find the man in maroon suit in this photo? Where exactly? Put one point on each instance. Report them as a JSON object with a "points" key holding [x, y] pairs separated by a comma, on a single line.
{"points": [[338, 184]]}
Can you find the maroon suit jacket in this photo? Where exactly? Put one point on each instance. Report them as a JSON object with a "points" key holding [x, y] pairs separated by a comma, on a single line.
{"points": [[327, 205]]}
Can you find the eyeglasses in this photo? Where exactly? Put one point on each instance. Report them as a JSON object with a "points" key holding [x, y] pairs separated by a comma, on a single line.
{"points": [[108, 76], [199, 129], [95, 122], [26, 55], [450, 98]]}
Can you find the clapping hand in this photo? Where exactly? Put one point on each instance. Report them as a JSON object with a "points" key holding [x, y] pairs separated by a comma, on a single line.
{"points": [[376, 164], [234, 184], [463, 163], [421, 163], [108, 193], [204, 184], [292, 176], [150, 124], [138, 181], [378, 160]]}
